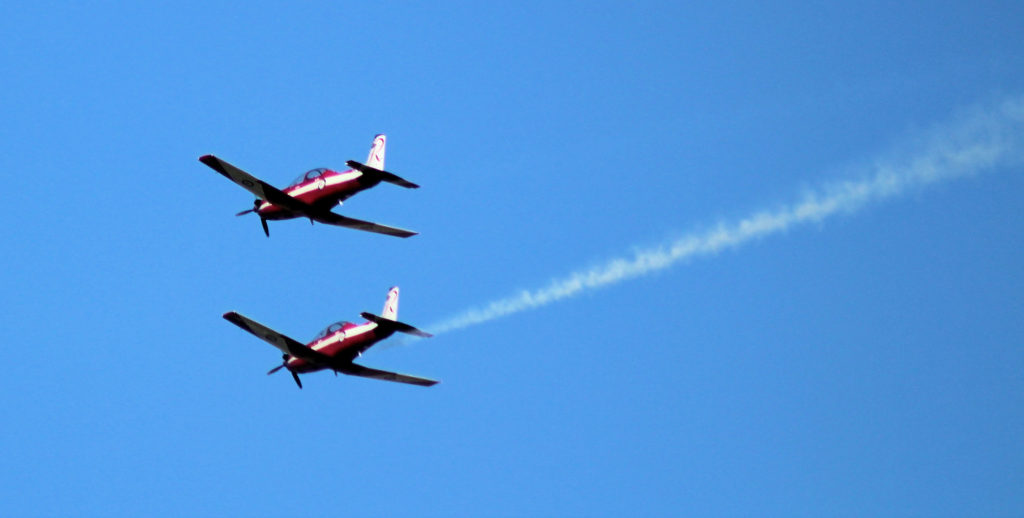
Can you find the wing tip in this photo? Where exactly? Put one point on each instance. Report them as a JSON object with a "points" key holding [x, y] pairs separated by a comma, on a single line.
{"points": [[395, 231], [213, 163]]}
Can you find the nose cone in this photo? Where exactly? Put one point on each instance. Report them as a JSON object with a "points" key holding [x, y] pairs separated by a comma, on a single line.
{"points": [[295, 364]]}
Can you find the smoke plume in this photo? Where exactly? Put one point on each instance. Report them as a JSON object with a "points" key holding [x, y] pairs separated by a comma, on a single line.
{"points": [[975, 142]]}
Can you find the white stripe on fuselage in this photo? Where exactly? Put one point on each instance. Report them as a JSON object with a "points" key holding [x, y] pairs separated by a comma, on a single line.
{"points": [[331, 180], [340, 337]]}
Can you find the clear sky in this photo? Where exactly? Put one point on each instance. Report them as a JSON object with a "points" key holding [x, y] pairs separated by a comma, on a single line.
{"points": [[865, 360]]}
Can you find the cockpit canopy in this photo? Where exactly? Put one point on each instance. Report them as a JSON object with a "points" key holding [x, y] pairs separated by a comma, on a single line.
{"points": [[312, 174], [331, 329]]}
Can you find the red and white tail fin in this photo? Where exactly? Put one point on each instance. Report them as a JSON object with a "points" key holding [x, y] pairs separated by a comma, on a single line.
{"points": [[388, 319], [390, 311], [376, 158]]}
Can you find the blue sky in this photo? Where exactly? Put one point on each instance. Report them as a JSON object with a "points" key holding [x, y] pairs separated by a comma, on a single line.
{"points": [[865, 364]]}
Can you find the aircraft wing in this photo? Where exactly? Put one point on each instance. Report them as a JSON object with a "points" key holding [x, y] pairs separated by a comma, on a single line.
{"points": [[286, 344], [355, 369], [261, 189], [331, 218]]}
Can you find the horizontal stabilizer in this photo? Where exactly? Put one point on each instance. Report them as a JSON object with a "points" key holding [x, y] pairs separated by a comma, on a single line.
{"points": [[384, 176], [395, 325]]}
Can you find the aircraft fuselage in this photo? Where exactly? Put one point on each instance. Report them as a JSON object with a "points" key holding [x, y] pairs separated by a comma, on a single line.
{"points": [[346, 344], [325, 191]]}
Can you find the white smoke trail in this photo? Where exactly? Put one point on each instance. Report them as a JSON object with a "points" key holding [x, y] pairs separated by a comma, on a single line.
{"points": [[973, 143]]}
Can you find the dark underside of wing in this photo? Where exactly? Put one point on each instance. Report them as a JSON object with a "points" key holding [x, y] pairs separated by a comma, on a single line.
{"points": [[330, 218], [261, 189], [286, 344], [355, 369]]}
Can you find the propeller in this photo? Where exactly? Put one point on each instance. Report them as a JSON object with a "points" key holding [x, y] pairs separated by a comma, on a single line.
{"points": [[283, 365], [256, 208], [284, 362]]}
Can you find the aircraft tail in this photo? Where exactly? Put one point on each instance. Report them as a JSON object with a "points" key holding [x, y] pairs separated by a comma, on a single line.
{"points": [[394, 325], [390, 311], [388, 318], [376, 157], [374, 166]]}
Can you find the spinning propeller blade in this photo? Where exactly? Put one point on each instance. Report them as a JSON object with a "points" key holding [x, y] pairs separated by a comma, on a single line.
{"points": [[256, 204], [255, 207]]}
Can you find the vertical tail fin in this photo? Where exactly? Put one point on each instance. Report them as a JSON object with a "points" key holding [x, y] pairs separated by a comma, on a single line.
{"points": [[376, 158], [390, 311], [388, 319]]}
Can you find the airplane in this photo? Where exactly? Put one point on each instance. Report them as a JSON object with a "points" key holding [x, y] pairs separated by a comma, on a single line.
{"points": [[313, 193], [338, 344]]}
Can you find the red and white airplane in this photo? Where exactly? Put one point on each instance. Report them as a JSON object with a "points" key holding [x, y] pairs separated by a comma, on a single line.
{"points": [[314, 193], [338, 344]]}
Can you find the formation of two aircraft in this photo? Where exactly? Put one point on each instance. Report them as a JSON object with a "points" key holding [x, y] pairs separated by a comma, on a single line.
{"points": [[312, 196]]}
